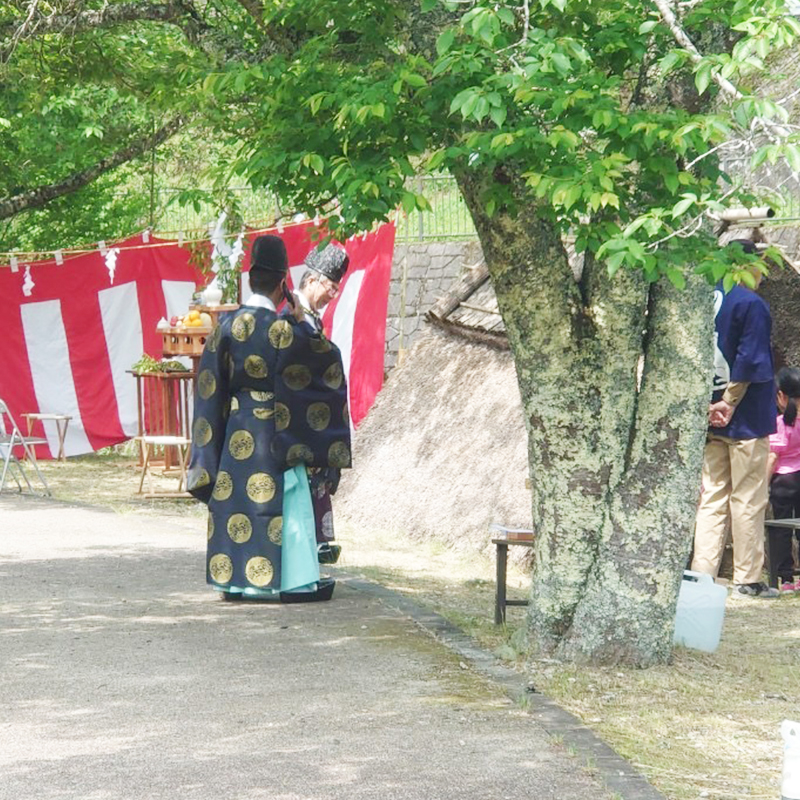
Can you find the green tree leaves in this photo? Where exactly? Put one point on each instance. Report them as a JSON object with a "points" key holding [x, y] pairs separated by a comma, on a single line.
{"points": [[573, 104]]}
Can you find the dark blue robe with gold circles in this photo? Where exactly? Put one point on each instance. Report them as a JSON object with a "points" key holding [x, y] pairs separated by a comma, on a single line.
{"points": [[270, 394]]}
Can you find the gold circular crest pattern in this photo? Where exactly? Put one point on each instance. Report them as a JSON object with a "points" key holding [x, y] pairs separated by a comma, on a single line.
{"points": [[201, 432], [320, 344], [212, 343], [240, 529], [221, 568], [281, 334], [210, 530], [261, 397], [260, 487], [241, 445], [223, 488], [206, 384], [199, 479], [298, 453], [263, 413], [243, 326], [275, 530], [318, 416], [339, 455], [332, 377], [255, 367], [282, 417], [297, 376], [259, 571], [234, 403]]}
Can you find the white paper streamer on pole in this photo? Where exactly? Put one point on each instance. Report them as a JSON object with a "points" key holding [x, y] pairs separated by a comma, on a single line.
{"points": [[111, 262], [180, 238], [280, 226], [14, 264], [146, 236], [27, 282], [59, 256], [237, 251], [220, 248], [102, 246]]}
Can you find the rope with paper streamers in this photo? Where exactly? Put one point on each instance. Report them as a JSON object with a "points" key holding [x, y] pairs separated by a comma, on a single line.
{"points": [[16, 259]]}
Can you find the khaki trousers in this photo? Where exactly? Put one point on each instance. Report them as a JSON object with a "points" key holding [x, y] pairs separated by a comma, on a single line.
{"points": [[735, 489]]}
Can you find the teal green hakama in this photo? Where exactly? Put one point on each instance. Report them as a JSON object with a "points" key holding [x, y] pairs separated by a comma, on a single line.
{"points": [[299, 563]]}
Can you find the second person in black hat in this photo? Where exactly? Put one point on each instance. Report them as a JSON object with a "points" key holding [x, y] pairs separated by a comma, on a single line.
{"points": [[319, 285]]}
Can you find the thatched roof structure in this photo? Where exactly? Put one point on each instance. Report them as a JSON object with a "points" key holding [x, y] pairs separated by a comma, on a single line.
{"points": [[443, 452]]}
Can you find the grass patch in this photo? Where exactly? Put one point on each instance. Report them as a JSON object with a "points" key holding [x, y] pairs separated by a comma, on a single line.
{"points": [[705, 726]]}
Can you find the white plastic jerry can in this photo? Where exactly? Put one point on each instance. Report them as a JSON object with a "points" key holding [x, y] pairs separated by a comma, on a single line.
{"points": [[700, 612], [790, 785]]}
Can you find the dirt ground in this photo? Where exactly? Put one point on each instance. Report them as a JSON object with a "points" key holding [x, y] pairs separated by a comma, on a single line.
{"points": [[706, 726]]}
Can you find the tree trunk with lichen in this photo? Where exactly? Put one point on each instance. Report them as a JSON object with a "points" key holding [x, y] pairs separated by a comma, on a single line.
{"points": [[614, 376]]}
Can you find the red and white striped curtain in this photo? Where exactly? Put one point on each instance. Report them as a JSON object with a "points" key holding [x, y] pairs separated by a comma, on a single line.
{"points": [[68, 346]]}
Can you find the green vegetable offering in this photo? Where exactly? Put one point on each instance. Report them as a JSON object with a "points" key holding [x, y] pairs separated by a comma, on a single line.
{"points": [[148, 364]]}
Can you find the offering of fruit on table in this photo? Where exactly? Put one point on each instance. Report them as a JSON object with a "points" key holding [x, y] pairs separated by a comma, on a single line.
{"points": [[193, 319]]}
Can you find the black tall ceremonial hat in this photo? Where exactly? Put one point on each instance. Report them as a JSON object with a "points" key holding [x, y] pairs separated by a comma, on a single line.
{"points": [[269, 254], [332, 262]]}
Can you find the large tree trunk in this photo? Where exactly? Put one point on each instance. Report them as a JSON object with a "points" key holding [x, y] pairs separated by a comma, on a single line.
{"points": [[614, 376]]}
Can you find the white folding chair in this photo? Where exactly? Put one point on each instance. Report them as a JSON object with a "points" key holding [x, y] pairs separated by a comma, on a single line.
{"points": [[10, 438]]}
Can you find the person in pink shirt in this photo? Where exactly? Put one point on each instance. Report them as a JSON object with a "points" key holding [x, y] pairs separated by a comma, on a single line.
{"points": [[784, 465]]}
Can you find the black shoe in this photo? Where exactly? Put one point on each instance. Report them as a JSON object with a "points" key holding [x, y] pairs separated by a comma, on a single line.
{"points": [[328, 553], [760, 590], [240, 597], [324, 592]]}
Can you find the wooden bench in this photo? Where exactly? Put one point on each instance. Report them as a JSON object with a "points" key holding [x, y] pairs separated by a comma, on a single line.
{"points": [[503, 538]]}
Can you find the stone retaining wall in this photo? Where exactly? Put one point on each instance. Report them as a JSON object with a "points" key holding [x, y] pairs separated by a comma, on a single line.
{"points": [[421, 273]]}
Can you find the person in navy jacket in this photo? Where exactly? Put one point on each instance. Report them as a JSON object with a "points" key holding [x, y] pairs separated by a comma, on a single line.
{"points": [[741, 419]]}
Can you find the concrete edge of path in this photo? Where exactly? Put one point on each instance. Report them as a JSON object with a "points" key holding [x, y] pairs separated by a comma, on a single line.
{"points": [[617, 774]]}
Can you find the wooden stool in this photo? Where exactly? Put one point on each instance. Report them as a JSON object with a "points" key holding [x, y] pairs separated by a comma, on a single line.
{"points": [[181, 445], [62, 423], [505, 537]]}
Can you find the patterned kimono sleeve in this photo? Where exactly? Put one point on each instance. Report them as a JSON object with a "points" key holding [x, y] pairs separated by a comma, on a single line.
{"points": [[211, 409]]}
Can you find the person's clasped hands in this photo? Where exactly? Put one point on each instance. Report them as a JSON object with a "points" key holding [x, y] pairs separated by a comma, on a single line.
{"points": [[720, 413]]}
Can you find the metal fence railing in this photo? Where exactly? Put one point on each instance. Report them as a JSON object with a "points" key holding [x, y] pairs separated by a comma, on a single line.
{"points": [[171, 216], [449, 218]]}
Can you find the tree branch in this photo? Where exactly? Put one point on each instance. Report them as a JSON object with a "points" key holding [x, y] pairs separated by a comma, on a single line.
{"points": [[106, 17], [775, 131], [36, 198], [682, 38], [20, 31], [180, 13]]}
